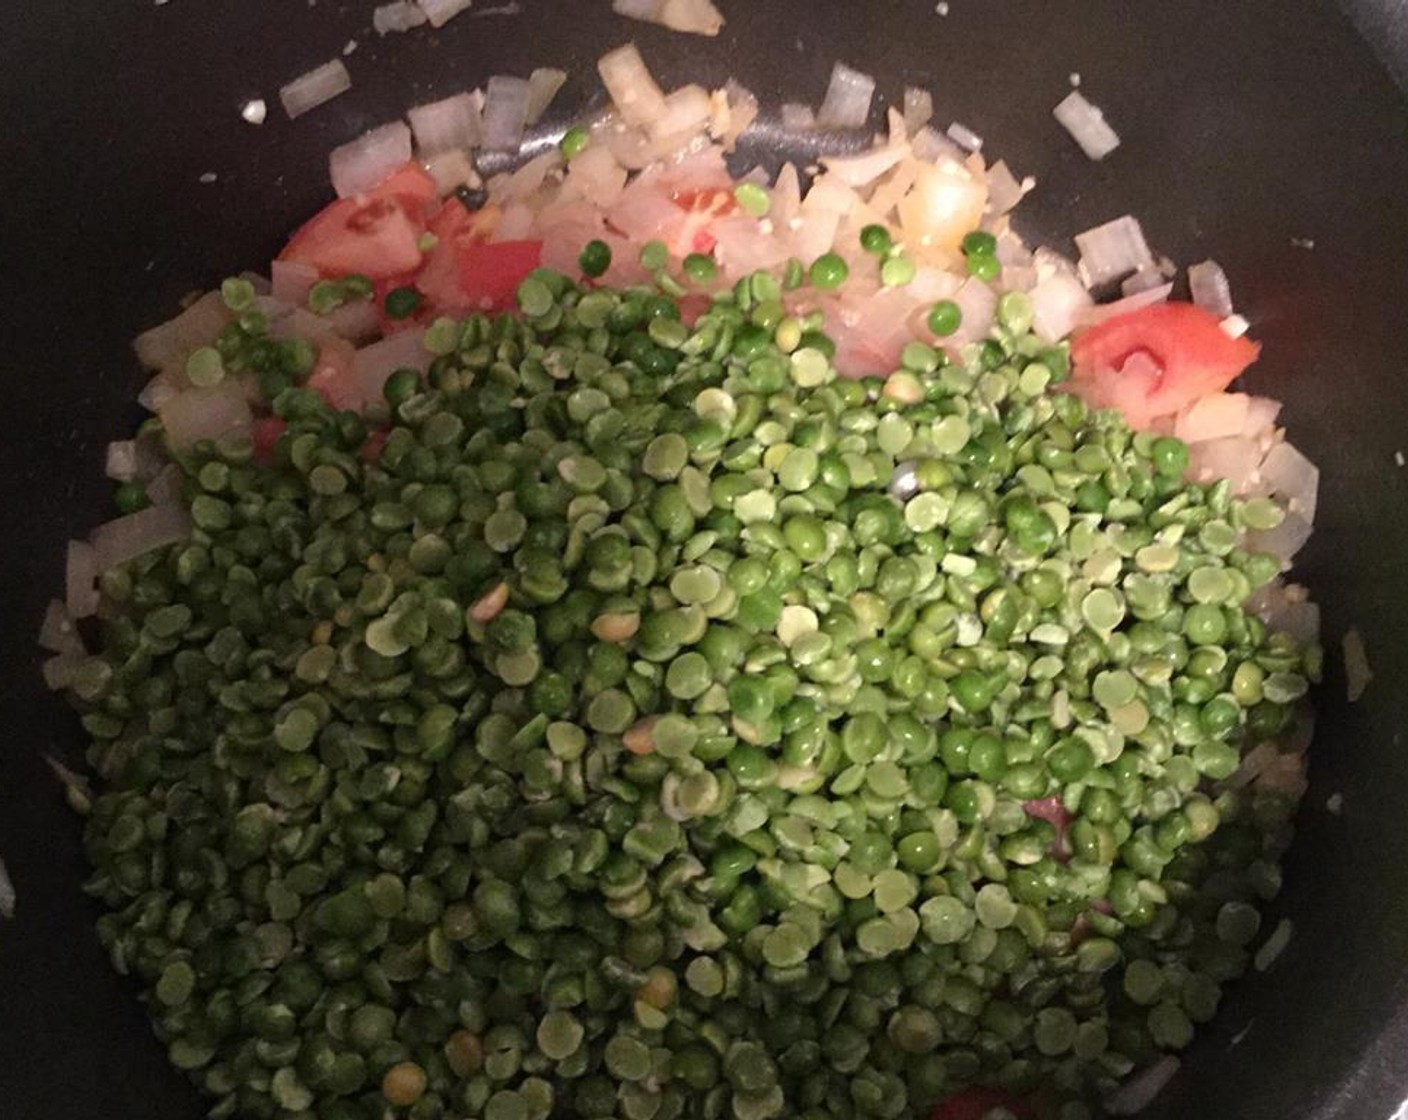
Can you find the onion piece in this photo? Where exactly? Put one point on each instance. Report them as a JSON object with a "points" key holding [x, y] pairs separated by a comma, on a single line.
{"points": [[1211, 291], [1272, 948], [918, 108], [1086, 124], [1233, 458], [137, 534], [685, 116], [372, 365], [797, 118], [400, 16], [1004, 189], [58, 670], [81, 580], [1145, 280], [1284, 541], [452, 123], [1291, 477], [121, 460], [451, 170], [1356, 665], [862, 170], [1058, 298], [1139, 1091], [57, 633], [693, 17], [1112, 251], [505, 112], [441, 12], [165, 488], [848, 97], [219, 412], [543, 86], [965, 137], [317, 87], [1216, 416], [172, 342], [633, 91], [292, 281], [7, 893], [733, 111], [359, 166], [356, 321]]}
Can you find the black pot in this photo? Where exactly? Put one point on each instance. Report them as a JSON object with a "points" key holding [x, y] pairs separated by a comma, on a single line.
{"points": [[1251, 130]]}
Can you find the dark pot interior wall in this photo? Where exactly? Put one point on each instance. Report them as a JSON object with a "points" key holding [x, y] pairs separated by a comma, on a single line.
{"points": [[1246, 126]]}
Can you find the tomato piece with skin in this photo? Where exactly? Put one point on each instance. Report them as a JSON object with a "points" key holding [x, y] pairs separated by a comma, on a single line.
{"points": [[265, 435], [1157, 360], [977, 1102], [376, 235], [701, 206], [468, 272]]}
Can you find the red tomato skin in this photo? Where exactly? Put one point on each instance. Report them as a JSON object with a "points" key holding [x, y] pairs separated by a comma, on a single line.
{"points": [[489, 272], [975, 1103], [371, 449], [376, 235], [1189, 356], [265, 437]]}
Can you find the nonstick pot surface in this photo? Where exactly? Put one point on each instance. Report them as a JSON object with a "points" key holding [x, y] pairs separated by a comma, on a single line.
{"points": [[1251, 130]]}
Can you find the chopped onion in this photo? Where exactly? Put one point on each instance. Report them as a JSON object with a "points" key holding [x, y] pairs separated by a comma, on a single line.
{"points": [[694, 17], [965, 137], [1112, 251], [1058, 298], [1274, 946], [1235, 459], [1139, 1091], [359, 166], [441, 12], [400, 16], [685, 116], [1235, 326], [1261, 416], [1216, 416], [848, 97], [597, 176], [172, 342], [1004, 191], [1210, 289], [918, 108], [372, 365], [447, 125], [862, 170], [356, 321], [1356, 664], [1145, 280], [121, 462], [505, 112], [81, 580], [1293, 478], [633, 91], [219, 412], [58, 670], [317, 87], [137, 534], [733, 113], [1086, 123], [7, 893], [165, 488], [798, 118], [451, 170], [543, 85], [57, 633], [932, 146], [292, 281], [1284, 541]]}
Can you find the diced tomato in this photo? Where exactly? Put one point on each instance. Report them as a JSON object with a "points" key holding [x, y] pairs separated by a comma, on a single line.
{"points": [[377, 234], [265, 435], [489, 273], [371, 448], [977, 1102], [1157, 360], [332, 376], [693, 306], [701, 205]]}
